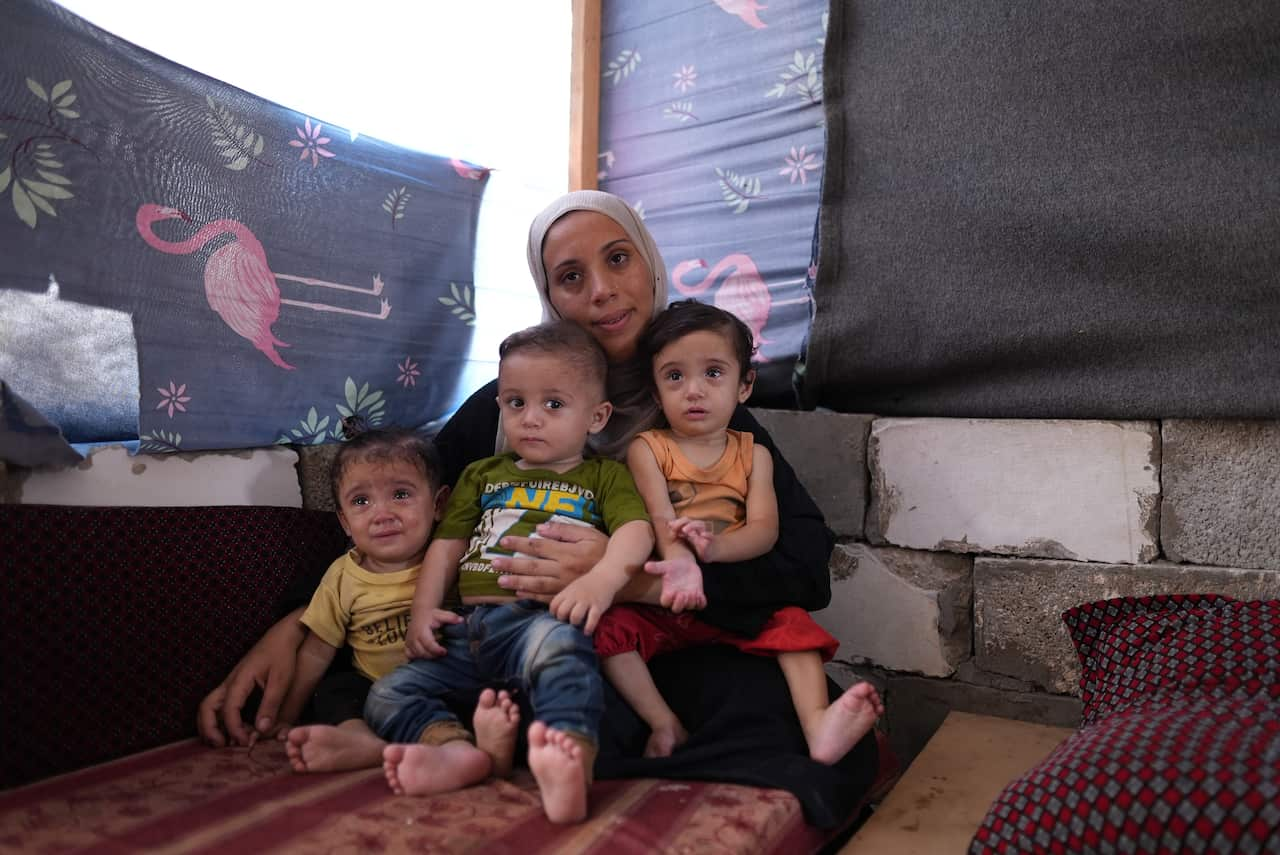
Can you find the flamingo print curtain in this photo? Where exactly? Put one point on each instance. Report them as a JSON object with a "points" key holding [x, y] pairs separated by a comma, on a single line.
{"points": [[711, 125], [200, 268]]}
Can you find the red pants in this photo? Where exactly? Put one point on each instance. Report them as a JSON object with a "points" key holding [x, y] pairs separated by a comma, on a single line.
{"points": [[650, 631]]}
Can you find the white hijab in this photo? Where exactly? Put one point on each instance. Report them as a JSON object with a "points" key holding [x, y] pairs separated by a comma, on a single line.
{"points": [[634, 407]]}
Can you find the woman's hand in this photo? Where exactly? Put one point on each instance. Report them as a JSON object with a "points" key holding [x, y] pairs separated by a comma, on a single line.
{"points": [[561, 553], [269, 664]]}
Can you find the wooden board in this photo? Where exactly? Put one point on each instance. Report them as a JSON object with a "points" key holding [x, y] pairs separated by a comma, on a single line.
{"points": [[946, 792]]}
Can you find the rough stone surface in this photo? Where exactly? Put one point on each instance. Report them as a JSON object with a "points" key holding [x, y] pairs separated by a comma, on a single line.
{"points": [[916, 706], [899, 609], [1221, 493], [313, 475], [1079, 490], [1018, 606], [829, 453]]}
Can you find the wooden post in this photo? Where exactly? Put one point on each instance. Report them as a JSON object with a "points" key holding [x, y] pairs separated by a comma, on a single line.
{"points": [[584, 96]]}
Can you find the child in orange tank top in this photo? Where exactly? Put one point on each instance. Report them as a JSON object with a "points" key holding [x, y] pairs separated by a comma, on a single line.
{"points": [[709, 492]]}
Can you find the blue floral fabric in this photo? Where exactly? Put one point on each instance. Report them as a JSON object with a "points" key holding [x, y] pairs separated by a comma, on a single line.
{"points": [[711, 125], [281, 274]]}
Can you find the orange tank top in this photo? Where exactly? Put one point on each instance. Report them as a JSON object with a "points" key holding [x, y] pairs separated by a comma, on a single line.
{"points": [[716, 494]]}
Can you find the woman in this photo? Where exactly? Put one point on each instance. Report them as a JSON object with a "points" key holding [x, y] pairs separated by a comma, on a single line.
{"points": [[595, 263]]}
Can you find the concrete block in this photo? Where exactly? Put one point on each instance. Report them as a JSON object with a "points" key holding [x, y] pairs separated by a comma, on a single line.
{"points": [[1018, 606], [1079, 490], [914, 708], [898, 609], [829, 453], [313, 475], [1221, 493], [109, 476]]}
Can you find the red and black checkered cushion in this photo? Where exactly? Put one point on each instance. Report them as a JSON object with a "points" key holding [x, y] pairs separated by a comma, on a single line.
{"points": [[115, 622], [1133, 647], [1180, 750]]}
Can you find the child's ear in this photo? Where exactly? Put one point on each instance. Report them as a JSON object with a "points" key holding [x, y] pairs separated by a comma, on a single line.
{"points": [[600, 417], [748, 381], [442, 499]]}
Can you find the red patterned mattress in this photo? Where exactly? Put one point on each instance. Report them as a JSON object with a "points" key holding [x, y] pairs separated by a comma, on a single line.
{"points": [[185, 797]]}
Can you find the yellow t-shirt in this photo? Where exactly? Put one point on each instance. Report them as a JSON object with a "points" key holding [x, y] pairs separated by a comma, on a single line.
{"points": [[369, 611]]}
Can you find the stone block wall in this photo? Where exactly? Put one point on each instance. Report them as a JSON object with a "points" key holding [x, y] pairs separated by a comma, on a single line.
{"points": [[979, 533]]}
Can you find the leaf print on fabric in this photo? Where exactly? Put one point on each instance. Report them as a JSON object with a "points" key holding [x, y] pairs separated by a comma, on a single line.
{"points": [[803, 76], [310, 430], [239, 144], [394, 204], [175, 398], [461, 303], [363, 402], [409, 373], [681, 111], [738, 191], [601, 174], [160, 442], [311, 143], [621, 66], [686, 78], [32, 174], [799, 163]]}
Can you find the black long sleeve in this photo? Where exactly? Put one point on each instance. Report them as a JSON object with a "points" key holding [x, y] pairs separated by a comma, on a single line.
{"points": [[742, 595], [470, 433]]}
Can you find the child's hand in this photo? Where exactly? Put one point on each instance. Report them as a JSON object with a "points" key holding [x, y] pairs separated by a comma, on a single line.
{"points": [[697, 534], [584, 601], [421, 642], [681, 583]]}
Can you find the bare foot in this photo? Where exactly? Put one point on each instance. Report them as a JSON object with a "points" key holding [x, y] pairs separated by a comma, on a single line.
{"points": [[495, 722], [558, 764], [664, 740], [423, 770], [845, 722], [325, 748]]}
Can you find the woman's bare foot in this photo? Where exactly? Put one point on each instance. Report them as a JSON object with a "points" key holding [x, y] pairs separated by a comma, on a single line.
{"points": [[325, 748], [845, 722], [665, 739], [558, 763], [496, 721], [423, 770]]}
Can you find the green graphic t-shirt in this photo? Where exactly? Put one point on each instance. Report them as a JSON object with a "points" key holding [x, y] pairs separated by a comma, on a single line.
{"points": [[494, 498]]}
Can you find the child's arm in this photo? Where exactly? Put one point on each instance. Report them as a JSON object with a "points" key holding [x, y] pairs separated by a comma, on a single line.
{"points": [[314, 658], [587, 598], [751, 540], [439, 572], [681, 576]]}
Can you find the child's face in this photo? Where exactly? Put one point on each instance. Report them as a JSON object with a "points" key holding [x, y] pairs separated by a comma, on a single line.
{"points": [[388, 508], [548, 409], [700, 383]]}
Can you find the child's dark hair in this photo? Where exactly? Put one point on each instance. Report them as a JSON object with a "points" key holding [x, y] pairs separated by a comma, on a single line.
{"points": [[689, 316], [386, 445], [563, 339]]}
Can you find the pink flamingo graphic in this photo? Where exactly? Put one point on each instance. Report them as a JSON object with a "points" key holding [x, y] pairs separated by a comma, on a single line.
{"points": [[743, 291], [468, 170], [747, 10], [239, 285]]}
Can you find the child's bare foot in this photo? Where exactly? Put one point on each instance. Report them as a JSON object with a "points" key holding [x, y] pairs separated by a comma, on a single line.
{"points": [[325, 748], [558, 764], [423, 770], [495, 722], [665, 739], [845, 722]]}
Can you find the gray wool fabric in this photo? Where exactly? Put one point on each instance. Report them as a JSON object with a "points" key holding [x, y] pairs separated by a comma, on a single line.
{"points": [[1050, 210]]}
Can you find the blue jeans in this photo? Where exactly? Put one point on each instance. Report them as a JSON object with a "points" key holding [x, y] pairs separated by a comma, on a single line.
{"points": [[516, 643]]}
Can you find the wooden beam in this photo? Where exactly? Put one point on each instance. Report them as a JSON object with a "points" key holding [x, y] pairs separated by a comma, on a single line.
{"points": [[584, 97]]}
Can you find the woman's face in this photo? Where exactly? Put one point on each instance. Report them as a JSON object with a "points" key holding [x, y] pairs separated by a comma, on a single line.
{"points": [[597, 278]]}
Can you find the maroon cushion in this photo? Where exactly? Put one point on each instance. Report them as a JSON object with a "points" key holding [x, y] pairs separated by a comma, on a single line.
{"points": [[1133, 647], [1172, 775], [117, 621], [1180, 746]]}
